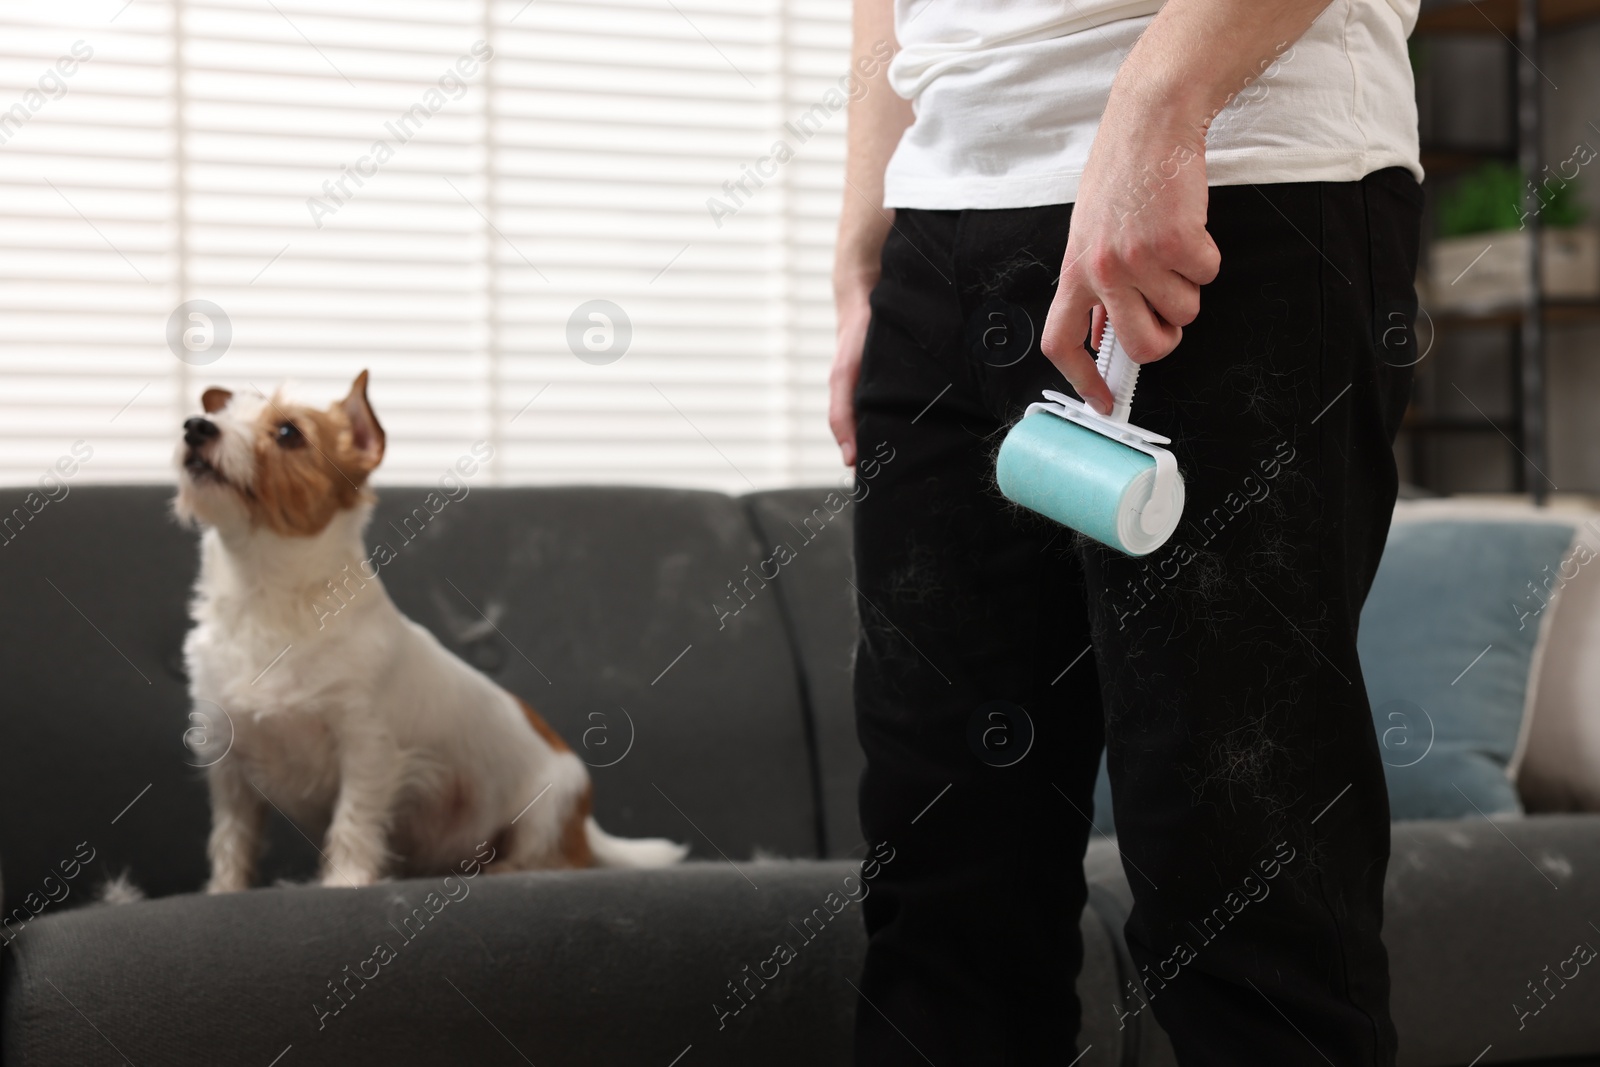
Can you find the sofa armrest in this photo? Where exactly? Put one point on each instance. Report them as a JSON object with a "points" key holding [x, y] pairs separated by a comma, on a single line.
{"points": [[1473, 911], [1476, 910], [634, 966], [569, 968]]}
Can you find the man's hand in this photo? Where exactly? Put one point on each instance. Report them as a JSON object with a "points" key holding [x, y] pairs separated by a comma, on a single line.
{"points": [[1138, 250], [852, 314]]}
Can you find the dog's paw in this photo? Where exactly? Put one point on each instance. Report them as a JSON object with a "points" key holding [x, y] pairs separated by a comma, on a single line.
{"points": [[226, 885], [346, 878]]}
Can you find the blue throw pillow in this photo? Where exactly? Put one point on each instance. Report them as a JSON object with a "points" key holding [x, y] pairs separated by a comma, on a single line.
{"points": [[1103, 823], [1448, 643], [1448, 640]]}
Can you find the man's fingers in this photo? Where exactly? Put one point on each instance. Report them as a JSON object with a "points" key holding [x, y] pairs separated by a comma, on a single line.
{"points": [[1078, 366], [1097, 327], [1199, 261], [841, 408], [842, 403], [1144, 336], [1067, 324], [1062, 341], [1173, 297]]}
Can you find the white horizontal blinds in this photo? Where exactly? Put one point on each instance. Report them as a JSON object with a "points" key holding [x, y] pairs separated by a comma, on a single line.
{"points": [[615, 122], [88, 244], [355, 184], [333, 158]]}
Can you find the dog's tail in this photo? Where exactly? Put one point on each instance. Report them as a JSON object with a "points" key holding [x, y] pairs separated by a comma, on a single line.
{"points": [[611, 851]]}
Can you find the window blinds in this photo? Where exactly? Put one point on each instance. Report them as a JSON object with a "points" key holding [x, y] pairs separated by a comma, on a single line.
{"points": [[562, 228]]}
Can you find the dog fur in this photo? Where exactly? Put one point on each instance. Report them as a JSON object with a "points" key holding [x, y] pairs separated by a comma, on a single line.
{"points": [[363, 730]]}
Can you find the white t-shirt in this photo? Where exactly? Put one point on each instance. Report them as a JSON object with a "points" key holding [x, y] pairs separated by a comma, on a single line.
{"points": [[1008, 96]]}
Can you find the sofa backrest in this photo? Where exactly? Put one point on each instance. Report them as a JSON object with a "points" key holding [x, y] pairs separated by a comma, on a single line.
{"points": [[820, 607], [597, 605]]}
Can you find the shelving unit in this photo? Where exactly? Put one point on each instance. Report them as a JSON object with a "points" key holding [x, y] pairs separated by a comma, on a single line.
{"points": [[1523, 24]]}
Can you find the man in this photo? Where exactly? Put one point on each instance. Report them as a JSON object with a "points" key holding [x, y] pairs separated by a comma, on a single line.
{"points": [[1235, 183]]}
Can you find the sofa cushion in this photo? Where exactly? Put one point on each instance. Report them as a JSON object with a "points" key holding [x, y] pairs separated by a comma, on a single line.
{"points": [[814, 590], [597, 613]]}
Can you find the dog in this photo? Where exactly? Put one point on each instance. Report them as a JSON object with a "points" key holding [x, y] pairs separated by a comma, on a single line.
{"points": [[364, 731]]}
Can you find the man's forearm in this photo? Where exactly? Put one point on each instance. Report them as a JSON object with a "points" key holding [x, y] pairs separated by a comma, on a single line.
{"points": [[1138, 249], [877, 118], [1196, 55]]}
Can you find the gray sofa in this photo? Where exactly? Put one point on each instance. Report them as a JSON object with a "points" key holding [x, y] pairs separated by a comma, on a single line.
{"points": [[731, 732]]}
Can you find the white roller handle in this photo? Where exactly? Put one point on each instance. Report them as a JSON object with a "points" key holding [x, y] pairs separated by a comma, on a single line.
{"points": [[1120, 372], [1122, 377]]}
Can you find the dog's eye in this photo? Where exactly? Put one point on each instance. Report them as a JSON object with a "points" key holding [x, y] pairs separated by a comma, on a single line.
{"points": [[289, 435]]}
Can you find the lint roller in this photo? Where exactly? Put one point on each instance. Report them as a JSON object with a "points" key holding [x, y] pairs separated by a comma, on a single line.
{"points": [[1098, 474]]}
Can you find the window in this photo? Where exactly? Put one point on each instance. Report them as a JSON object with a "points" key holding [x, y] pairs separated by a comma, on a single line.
{"points": [[485, 204]]}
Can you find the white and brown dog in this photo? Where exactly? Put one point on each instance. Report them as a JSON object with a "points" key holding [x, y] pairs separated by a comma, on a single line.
{"points": [[369, 733]]}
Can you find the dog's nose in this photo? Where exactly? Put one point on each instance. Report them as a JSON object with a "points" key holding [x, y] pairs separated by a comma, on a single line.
{"points": [[198, 431]]}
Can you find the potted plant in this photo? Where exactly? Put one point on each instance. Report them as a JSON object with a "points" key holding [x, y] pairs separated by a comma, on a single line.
{"points": [[1479, 260]]}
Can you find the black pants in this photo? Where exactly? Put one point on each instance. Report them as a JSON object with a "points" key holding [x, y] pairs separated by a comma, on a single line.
{"points": [[1249, 796]]}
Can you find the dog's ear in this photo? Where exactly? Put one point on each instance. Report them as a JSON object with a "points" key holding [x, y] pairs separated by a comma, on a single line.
{"points": [[366, 435], [215, 399]]}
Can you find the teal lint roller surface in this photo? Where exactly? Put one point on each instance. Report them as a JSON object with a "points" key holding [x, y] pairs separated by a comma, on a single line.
{"points": [[1100, 475]]}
